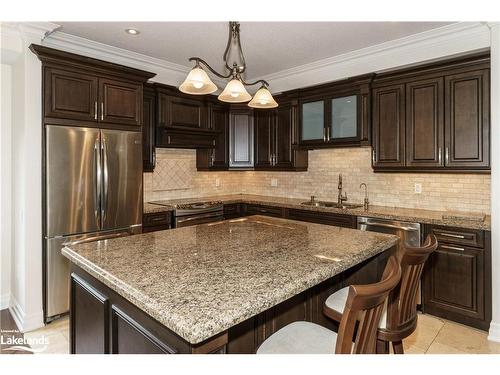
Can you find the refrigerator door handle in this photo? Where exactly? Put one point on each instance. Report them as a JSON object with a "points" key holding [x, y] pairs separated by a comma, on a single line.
{"points": [[97, 186], [105, 179], [99, 238]]}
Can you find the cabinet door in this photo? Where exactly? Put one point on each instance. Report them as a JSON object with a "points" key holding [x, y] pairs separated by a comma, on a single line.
{"points": [[70, 95], [283, 154], [219, 121], [389, 126], [148, 130], [121, 102], [264, 138], [241, 145], [454, 282], [425, 123], [181, 112], [89, 331], [312, 122], [467, 120], [344, 120]]}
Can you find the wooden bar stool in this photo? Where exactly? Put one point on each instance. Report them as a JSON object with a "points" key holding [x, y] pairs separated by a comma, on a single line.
{"points": [[310, 338], [399, 318]]}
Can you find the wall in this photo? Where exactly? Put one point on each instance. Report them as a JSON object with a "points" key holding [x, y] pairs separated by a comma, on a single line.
{"points": [[5, 186], [176, 176]]}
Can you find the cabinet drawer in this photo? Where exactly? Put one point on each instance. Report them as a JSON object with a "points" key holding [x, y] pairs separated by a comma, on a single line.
{"points": [[339, 220], [157, 218], [459, 236], [255, 209]]}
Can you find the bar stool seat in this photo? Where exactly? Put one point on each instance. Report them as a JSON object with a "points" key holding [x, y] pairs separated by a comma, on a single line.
{"points": [[300, 338], [337, 300]]}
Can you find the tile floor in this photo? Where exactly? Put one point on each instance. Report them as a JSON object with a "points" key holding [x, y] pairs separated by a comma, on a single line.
{"points": [[432, 336]]}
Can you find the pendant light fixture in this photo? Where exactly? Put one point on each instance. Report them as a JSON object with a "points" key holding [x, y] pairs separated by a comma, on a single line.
{"points": [[199, 83]]}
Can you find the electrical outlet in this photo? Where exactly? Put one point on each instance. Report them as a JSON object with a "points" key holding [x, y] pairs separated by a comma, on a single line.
{"points": [[274, 182], [418, 188], [217, 182]]}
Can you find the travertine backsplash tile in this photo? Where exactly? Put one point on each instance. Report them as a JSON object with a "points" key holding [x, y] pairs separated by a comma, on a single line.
{"points": [[455, 192]]}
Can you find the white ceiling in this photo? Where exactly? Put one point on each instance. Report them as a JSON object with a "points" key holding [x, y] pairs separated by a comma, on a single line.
{"points": [[269, 47]]}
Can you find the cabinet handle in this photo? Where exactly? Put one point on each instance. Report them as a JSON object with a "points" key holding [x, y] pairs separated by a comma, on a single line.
{"points": [[102, 111], [450, 235], [168, 139], [274, 160], [452, 248], [95, 110], [324, 135], [447, 155], [373, 156], [328, 134], [439, 155]]}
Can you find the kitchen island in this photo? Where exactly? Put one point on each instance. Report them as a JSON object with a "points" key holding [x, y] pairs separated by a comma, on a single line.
{"points": [[218, 287]]}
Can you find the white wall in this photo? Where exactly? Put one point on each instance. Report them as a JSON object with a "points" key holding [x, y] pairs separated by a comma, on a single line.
{"points": [[495, 179], [5, 186], [25, 213]]}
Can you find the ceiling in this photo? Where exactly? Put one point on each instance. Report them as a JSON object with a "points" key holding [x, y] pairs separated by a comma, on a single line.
{"points": [[269, 47]]}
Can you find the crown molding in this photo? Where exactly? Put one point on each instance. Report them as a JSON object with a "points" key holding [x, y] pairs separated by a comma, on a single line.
{"points": [[451, 40], [167, 72], [455, 39]]}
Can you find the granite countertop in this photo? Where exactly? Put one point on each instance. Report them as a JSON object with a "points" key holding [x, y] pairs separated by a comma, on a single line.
{"points": [[451, 218], [201, 280], [150, 208]]}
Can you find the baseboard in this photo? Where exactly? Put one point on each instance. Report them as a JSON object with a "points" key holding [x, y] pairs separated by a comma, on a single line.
{"points": [[25, 322], [4, 301], [494, 333]]}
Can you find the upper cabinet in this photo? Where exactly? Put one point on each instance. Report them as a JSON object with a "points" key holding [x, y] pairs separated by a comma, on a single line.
{"points": [[217, 158], [241, 133], [182, 120], [275, 136], [81, 91], [148, 128], [434, 118], [335, 115]]}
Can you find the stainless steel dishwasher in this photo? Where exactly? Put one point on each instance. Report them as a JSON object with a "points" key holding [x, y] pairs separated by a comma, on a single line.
{"points": [[409, 233]]}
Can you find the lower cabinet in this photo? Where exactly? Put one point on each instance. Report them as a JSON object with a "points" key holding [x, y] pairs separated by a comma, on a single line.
{"points": [[152, 222], [257, 209], [457, 277], [339, 220], [232, 211]]}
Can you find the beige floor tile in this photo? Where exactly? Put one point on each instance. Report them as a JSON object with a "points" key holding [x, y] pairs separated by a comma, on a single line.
{"points": [[437, 348], [414, 350], [56, 334], [466, 339], [428, 328]]}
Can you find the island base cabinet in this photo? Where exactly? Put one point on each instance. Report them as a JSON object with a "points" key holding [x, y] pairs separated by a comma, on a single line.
{"points": [[104, 322]]}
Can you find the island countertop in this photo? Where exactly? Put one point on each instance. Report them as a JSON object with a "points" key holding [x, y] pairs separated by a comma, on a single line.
{"points": [[199, 281]]}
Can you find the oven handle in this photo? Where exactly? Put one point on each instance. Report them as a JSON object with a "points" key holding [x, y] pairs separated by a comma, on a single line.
{"points": [[179, 220], [392, 226]]}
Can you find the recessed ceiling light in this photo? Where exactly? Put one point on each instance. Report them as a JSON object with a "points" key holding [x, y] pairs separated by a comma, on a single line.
{"points": [[132, 31]]}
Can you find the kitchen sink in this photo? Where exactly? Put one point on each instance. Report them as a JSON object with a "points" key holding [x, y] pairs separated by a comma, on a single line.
{"points": [[343, 206]]}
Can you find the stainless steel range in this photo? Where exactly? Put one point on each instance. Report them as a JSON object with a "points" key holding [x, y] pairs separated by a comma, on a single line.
{"points": [[186, 214]]}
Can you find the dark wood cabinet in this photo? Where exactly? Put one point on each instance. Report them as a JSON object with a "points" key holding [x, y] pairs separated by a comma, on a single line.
{"points": [[232, 210], [70, 94], [81, 91], [175, 111], [335, 114], [433, 118], [457, 277], [388, 127], [148, 128], [217, 158], [467, 120], [121, 102], [152, 222], [259, 209], [327, 218], [425, 123], [275, 135]]}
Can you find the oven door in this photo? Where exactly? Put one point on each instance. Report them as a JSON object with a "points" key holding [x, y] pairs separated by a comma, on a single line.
{"points": [[188, 220]]}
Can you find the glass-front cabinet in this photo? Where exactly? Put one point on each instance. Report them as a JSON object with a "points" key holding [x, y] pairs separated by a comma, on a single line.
{"points": [[330, 122]]}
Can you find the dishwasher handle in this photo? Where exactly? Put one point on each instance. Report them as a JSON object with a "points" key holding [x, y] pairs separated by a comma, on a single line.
{"points": [[388, 225]]}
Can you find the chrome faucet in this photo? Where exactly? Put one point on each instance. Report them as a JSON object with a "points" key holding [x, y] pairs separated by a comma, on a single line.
{"points": [[341, 198], [366, 201]]}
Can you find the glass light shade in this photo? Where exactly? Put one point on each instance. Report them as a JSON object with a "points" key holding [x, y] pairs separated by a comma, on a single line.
{"points": [[235, 92], [198, 83], [263, 99]]}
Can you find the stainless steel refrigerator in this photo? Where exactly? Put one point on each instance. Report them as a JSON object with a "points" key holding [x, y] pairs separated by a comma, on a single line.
{"points": [[93, 190]]}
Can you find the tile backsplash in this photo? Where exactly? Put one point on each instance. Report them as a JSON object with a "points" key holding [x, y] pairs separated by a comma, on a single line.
{"points": [[175, 176]]}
